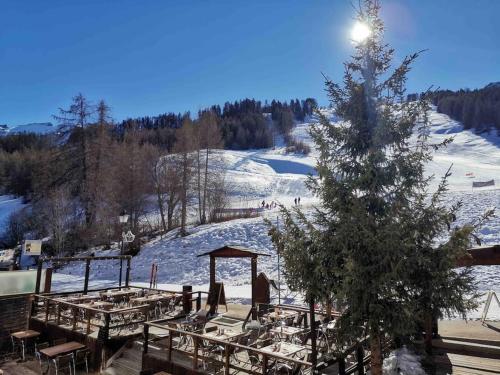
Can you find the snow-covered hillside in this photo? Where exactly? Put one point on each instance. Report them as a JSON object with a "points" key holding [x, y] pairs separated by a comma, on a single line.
{"points": [[36, 127], [8, 205], [272, 175]]}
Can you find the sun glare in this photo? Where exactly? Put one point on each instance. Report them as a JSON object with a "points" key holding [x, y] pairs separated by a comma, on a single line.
{"points": [[360, 32]]}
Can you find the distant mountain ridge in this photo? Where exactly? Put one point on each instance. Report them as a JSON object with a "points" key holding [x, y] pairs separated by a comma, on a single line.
{"points": [[34, 127]]}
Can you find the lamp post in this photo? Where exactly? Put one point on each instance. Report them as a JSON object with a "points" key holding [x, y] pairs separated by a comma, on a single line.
{"points": [[123, 219]]}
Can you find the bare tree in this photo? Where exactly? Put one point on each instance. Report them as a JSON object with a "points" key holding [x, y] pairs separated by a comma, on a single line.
{"points": [[130, 178], [58, 213], [209, 138], [73, 121], [184, 147], [167, 178]]}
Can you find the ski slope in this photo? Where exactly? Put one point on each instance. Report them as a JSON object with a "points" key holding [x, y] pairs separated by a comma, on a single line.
{"points": [[270, 175]]}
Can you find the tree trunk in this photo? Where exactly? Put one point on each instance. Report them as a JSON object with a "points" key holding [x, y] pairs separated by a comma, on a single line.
{"points": [[376, 353], [198, 170], [184, 198], [428, 332], [204, 208], [162, 210]]}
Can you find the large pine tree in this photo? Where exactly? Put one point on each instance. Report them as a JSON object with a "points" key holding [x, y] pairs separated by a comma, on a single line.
{"points": [[372, 240]]}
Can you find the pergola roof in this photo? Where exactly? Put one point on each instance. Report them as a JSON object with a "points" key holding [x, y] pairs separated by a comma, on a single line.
{"points": [[233, 251], [481, 256]]}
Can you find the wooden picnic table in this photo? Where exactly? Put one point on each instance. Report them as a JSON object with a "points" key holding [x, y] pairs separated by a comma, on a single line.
{"points": [[68, 347], [283, 348], [23, 336]]}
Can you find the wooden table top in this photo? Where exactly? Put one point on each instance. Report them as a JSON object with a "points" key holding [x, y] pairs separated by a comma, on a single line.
{"points": [[227, 335], [21, 335], [101, 305], [283, 314], [123, 292], [283, 348], [286, 330], [65, 348], [151, 298]]}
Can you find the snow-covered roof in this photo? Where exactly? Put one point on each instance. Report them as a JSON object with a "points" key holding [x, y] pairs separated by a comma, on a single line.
{"points": [[233, 251]]}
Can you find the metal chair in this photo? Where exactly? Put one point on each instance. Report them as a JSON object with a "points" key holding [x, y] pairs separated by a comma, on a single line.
{"points": [[38, 355], [81, 358], [63, 363]]}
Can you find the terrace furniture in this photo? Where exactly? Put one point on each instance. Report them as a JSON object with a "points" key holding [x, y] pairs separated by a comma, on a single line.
{"points": [[63, 363], [286, 332], [23, 337], [283, 348], [65, 348], [38, 355], [81, 358]]}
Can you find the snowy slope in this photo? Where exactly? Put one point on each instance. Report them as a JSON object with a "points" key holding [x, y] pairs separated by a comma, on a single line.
{"points": [[37, 127], [273, 175], [8, 205]]}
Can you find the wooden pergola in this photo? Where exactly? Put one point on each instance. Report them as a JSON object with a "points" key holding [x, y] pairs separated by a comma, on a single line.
{"points": [[481, 256], [231, 251]]}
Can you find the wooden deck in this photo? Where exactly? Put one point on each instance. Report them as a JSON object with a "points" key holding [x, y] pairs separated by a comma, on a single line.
{"points": [[467, 348]]}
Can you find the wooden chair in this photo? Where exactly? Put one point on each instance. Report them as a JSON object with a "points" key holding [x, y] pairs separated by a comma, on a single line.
{"points": [[63, 363], [81, 358]]}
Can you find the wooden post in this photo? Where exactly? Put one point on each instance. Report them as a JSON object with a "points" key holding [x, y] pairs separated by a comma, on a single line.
{"points": [[254, 281], [107, 320], [342, 365], [58, 321], [48, 280], [38, 275], [75, 312], [146, 339], [87, 274], [264, 364], [198, 302], [360, 357], [47, 309], [170, 343], [226, 361], [195, 355], [212, 273], [314, 354], [187, 302], [127, 275]]}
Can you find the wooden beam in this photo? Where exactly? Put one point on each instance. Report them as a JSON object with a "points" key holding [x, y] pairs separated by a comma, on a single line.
{"points": [[212, 273], [254, 283], [127, 275], [87, 275], [314, 354], [38, 276], [48, 280], [481, 256]]}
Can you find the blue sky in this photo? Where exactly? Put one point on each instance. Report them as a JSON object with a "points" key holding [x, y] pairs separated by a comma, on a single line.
{"points": [[149, 57]]}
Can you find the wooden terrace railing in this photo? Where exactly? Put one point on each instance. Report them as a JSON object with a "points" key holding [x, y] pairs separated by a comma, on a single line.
{"points": [[229, 347]]}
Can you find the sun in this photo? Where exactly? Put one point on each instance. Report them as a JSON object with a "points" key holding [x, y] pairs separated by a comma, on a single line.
{"points": [[360, 32]]}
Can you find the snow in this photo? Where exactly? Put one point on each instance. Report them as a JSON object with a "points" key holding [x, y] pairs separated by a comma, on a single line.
{"points": [[36, 127], [274, 175], [8, 205], [402, 362]]}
